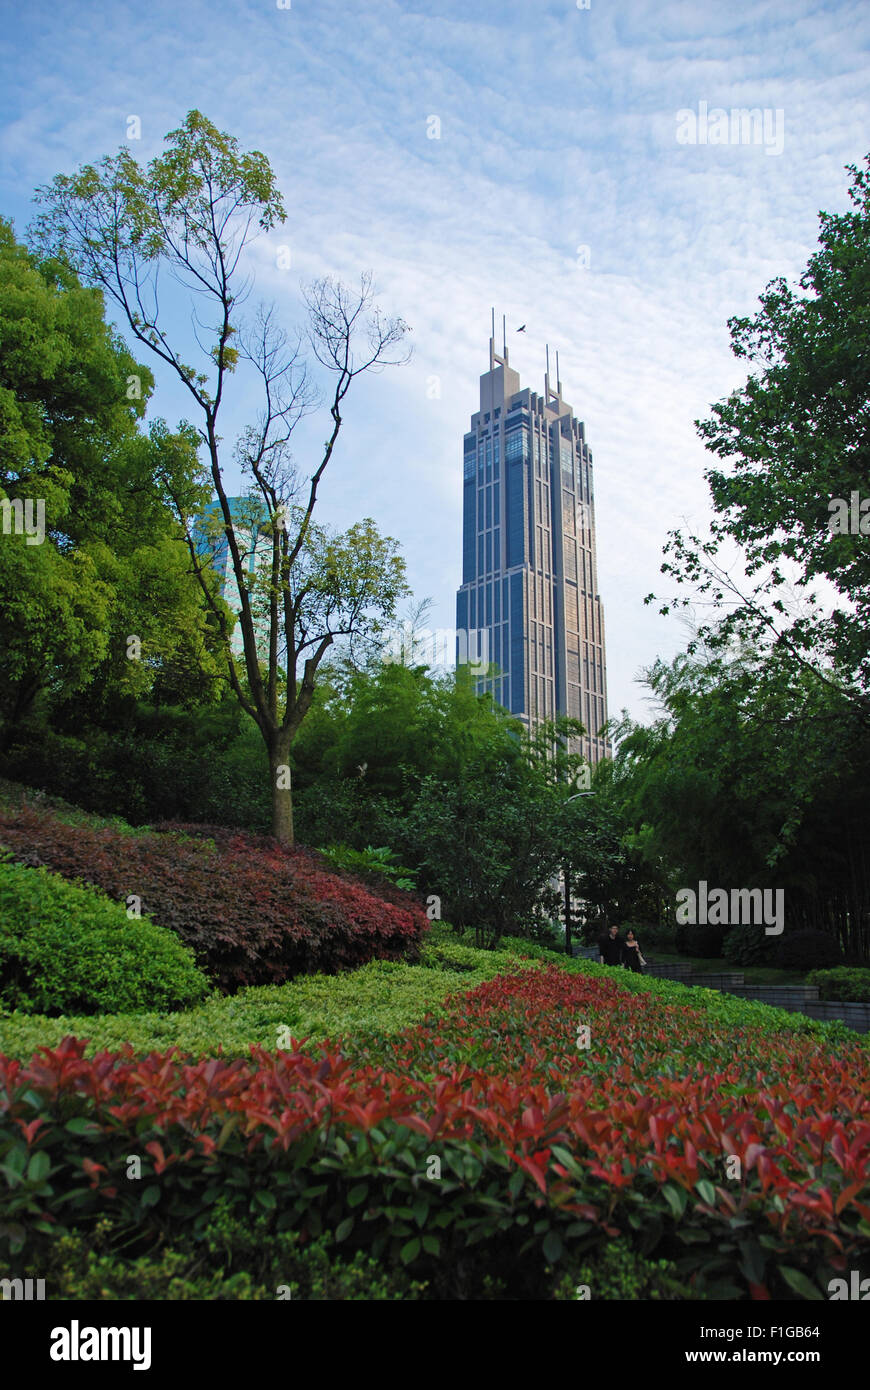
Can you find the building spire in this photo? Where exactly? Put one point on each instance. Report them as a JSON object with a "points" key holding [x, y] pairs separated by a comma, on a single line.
{"points": [[493, 355]]}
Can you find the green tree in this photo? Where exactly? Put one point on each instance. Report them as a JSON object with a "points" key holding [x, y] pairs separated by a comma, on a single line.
{"points": [[796, 438], [110, 561], [191, 213], [754, 775]]}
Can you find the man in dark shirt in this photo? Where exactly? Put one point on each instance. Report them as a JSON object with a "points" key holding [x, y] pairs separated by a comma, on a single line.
{"points": [[610, 947]]}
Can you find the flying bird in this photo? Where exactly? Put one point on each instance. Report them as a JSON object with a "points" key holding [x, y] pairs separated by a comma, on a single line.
{"points": [[522, 330]]}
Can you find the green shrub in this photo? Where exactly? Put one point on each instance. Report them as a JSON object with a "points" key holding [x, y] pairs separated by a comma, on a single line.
{"points": [[460, 959], [748, 944], [66, 947], [231, 1261], [371, 864], [807, 950], [619, 1273], [850, 983]]}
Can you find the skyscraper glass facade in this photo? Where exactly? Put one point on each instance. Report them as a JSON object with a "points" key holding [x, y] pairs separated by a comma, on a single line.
{"points": [[529, 573]]}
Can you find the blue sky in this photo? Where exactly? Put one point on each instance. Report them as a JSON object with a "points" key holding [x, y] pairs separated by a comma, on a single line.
{"points": [[557, 132]]}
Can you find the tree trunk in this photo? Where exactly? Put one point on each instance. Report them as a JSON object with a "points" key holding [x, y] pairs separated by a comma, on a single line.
{"points": [[282, 795]]}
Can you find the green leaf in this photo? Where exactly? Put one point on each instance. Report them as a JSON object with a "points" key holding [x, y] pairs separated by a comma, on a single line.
{"points": [[343, 1229], [16, 1236], [706, 1191], [39, 1166], [799, 1283], [357, 1194], [150, 1196], [515, 1185], [552, 1247], [675, 1198], [410, 1250], [266, 1199], [16, 1159], [567, 1160], [578, 1228], [81, 1126]]}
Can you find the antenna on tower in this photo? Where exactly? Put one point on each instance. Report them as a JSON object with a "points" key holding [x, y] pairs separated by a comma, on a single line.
{"points": [[558, 381], [504, 334], [492, 343]]}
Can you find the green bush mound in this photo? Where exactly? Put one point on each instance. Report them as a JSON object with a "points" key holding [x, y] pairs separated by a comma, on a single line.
{"points": [[255, 912], [846, 982], [67, 948], [748, 944]]}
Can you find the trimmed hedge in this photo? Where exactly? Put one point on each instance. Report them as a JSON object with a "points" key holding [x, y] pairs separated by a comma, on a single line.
{"points": [[67, 948], [252, 910], [379, 998], [849, 983]]}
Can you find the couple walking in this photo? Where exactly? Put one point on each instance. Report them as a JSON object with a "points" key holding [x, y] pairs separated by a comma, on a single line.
{"points": [[612, 951]]}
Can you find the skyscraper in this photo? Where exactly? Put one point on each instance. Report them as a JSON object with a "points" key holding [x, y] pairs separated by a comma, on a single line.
{"points": [[209, 538], [529, 576]]}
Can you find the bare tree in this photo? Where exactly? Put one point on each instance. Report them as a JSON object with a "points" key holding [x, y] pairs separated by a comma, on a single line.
{"points": [[190, 215]]}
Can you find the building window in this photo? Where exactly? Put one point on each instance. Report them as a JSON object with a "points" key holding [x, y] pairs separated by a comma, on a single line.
{"points": [[516, 446]]}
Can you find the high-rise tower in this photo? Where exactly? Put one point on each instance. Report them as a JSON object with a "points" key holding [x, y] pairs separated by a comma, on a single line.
{"points": [[529, 576]]}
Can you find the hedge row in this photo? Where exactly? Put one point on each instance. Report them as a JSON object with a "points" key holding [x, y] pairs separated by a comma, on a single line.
{"points": [[851, 983], [253, 911], [489, 1139]]}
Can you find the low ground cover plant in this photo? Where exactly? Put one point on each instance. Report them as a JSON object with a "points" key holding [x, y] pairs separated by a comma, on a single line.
{"points": [[252, 911], [484, 1141]]}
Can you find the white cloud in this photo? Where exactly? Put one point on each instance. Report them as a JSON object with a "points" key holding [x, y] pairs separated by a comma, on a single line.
{"points": [[558, 129]]}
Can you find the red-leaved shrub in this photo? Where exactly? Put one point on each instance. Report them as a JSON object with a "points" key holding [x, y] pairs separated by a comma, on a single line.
{"points": [[740, 1153], [254, 911]]}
